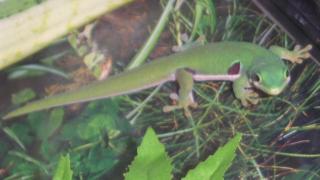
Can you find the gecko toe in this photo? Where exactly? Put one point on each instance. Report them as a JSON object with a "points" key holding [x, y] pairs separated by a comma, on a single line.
{"points": [[194, 105], [167, 109], [174, 96]]}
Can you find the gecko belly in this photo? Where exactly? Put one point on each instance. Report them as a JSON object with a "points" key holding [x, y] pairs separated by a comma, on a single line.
{"points": [[222, 77]]}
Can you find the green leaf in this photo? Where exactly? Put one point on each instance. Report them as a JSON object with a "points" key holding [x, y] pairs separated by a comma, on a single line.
{"points": [[205, 17], [12, 135], [50, 149], [99, 160], [32, 70], [23, 131], [30, 160], [214, 167], [23, 96], [151, 162], [63, 170], [48, 127], [95, 125], [94, 163]]}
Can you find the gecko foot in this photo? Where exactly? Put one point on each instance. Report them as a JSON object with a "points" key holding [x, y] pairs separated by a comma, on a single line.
{"points": [[174, 96], [299, 54], [249, 98], [181, 105], [186, 109]]}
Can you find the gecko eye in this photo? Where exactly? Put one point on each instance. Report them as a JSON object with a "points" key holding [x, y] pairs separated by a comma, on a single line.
{"points": [[256, 78]]}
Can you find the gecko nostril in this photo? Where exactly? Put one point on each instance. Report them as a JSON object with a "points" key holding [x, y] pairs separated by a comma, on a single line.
{"points": [[287, 74]]}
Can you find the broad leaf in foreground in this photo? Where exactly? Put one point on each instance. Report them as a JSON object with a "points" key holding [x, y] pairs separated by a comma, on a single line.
{"points": [[63, 171], [151, 162], [214, 167]]}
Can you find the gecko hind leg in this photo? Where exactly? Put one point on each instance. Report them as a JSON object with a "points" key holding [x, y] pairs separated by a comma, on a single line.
{"points": [[185, 98]]}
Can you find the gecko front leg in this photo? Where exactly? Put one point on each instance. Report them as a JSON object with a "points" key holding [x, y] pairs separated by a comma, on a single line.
{"points": [[185, 97], [296, 56], [244, 92]]}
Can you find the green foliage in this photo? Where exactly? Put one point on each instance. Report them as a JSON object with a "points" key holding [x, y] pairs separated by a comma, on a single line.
{"points": [[48, 126], [32, 70], [50, 149], [94, 163], [14, 137], [28, 160], [215, 166], [205, 17], [43, 125], [22, 168], [151, 162], [63, 170], [91, 139], [93, 136], [98, 117], [23, 131], [97, 124], [23, 96]]}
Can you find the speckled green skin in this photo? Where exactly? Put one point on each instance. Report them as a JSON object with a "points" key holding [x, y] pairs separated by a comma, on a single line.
{"points": [[210, 59]]}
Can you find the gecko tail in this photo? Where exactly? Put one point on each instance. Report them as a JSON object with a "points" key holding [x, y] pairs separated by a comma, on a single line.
{"points": [[125, 83]]}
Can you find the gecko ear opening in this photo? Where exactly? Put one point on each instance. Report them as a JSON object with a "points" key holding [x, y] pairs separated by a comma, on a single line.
{"points": [[234, 69]]}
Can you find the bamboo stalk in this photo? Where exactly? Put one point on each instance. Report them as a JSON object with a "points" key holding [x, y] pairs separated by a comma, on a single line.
{"points": [[29, 31]]}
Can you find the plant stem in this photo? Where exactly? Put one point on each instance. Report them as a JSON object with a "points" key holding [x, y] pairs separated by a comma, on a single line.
{"points": [[144, 52]]}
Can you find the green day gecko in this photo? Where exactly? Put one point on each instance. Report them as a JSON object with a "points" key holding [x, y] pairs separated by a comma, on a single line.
{"points": [[247, 65]]}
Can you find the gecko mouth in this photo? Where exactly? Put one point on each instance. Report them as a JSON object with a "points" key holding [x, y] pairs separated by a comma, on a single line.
{"points": [[272, 91], [275, 91]]}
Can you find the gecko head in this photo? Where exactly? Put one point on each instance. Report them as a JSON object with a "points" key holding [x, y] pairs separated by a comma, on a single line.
{"points": [[269, 76]]}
